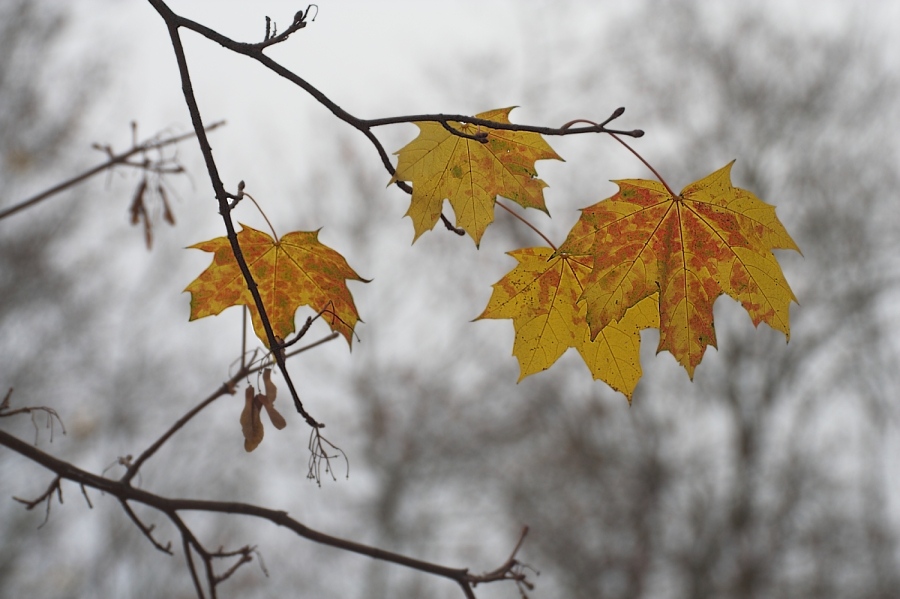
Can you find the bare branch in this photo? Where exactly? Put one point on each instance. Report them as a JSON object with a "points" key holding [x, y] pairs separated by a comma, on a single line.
{"points": [[227, 388], [45, 496], [86, 498], [245, 557], [365, 126], [276, 38], [52, 415], [147, 530], [114, 160], [186, 546], [319, 448], [512, 569], [171, 507], [222, 197]]}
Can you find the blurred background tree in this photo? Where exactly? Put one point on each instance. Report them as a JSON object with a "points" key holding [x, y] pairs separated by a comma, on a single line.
{"points": [[768, 476], [36, 331]]}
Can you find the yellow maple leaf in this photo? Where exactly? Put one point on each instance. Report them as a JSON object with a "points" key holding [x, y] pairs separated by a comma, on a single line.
{"points": [[296, 270], [710, 239], [469, 173], [541, 295]]}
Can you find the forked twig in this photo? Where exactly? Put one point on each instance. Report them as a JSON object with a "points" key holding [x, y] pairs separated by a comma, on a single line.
{"points": [[47, 496], [112, 161], [319, 448], [147, 530], [512, 569]]}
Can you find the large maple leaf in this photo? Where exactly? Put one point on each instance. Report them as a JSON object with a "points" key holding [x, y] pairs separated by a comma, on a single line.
{"points": [[296, 270], [469, 173], [690, 248], [541, 295]]}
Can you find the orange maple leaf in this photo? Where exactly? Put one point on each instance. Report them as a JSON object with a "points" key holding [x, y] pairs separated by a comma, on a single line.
{"points": [[295, 271], [541, 295], [469, 173], [710, 239]]}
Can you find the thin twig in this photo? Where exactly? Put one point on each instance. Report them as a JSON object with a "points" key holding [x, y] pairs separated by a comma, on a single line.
{"points": [[227, 388], [52, 416], [198, 586], [245, 557], [147, 530], [45, 496], [318, 454], [365, 126], [244, 337], [332, 336], [114, 160], [616, 114], [298, 24], [86, 498], [512, 569]]}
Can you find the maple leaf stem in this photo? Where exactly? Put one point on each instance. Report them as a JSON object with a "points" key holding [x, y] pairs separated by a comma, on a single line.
{"points": [[268, 222], [244, 337], [647, 164], [528, 224]]}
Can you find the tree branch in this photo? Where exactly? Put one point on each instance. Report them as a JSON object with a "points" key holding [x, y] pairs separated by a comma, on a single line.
{"points": [[365, 125], [114, 160], [147, 530], [171, 507], [227, 388], [222, 196]]}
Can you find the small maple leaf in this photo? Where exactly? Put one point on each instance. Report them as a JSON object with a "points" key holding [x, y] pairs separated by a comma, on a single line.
{"points": [[541, 295], [295, 271], [712, 238], [471, 174]]}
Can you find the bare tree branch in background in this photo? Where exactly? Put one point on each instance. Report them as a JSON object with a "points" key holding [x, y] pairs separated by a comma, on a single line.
{"points": [[126, 493], [162, 165]]}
